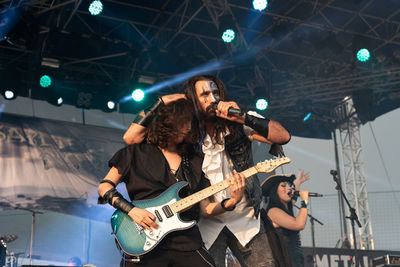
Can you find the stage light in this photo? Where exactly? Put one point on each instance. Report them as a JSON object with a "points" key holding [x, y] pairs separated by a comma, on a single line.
{"points": [[307, 117], [260, 5], [45, 81], [138, 95], [363, 55], [111, 104], [262, 104], [228, 35], [59, 101], [8, 94], [96, 7]]}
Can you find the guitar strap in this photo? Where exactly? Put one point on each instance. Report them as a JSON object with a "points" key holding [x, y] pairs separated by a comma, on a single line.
{"points": [[188, 173]]}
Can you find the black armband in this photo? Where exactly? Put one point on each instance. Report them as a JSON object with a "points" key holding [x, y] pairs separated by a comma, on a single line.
{"points": [[123, 205], [304, 204], [108, 196], [108, 182], [260, 125], [276, 150], [148, 114], [225, 208], [120, 203]]}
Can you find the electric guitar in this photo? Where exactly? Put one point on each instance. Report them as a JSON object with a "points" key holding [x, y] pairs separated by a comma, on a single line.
{"points": [[134, 240]]}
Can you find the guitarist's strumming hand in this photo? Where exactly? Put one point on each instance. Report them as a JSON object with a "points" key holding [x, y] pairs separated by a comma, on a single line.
{"points": [[237, 185], [143, 218]]}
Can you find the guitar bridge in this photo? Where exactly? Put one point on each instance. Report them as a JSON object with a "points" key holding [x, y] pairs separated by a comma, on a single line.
{"points": [[139, 228]]}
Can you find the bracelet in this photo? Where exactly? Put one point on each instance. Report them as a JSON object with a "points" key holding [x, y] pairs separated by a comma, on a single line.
{"points": [[304, 204], [225, 208]]}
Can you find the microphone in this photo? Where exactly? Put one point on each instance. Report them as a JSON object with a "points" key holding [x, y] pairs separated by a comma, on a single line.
{"points": [[231, 111], [310, 194], [333, 172]]}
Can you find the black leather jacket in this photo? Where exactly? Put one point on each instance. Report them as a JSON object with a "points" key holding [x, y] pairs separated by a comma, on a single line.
{"points": [[239, 150]]}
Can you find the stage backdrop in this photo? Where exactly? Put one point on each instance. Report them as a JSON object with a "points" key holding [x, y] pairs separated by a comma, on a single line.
{"points": [[53, 165]]}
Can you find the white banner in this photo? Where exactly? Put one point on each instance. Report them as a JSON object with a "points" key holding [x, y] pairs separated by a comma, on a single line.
{"points": [[52, 165]]}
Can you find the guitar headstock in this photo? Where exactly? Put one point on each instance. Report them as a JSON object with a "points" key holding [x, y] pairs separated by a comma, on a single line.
{"points": [[268, 166]]}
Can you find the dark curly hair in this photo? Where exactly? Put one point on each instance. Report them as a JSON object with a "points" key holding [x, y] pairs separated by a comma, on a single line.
{"points": [[168, 123], [221, 125]]}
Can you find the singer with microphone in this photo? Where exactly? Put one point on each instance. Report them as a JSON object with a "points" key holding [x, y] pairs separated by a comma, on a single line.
{"points": [[280, 191]]}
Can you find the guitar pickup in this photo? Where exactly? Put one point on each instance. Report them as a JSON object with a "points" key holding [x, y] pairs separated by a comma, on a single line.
{"points": [[158, 215], [167, 211]]}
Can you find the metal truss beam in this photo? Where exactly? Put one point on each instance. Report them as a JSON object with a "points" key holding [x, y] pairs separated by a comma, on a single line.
{"points": [[355, 185]]}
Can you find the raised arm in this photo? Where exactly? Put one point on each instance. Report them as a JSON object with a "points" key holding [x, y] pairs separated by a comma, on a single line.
{"points": [[281, 219], [136, 132], [265, 130]]}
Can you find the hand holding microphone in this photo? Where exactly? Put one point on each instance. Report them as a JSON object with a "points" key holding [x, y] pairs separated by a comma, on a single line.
{"points": [[228, 110]]}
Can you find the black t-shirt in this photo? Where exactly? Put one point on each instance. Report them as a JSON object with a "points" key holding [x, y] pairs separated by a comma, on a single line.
{"points": [[146, 173]]}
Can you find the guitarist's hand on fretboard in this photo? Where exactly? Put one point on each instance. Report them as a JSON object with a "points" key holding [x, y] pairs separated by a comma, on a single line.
{"points": [[143, 218], [236, 185]]}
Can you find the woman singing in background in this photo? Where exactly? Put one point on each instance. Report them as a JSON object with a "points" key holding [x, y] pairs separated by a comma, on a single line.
{"points": [[280, 189]]}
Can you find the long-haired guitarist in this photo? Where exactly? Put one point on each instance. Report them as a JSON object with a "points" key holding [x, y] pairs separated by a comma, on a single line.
{"points": [[151, 167]]}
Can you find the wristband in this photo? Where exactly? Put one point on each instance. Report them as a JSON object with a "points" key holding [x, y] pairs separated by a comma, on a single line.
{"points": [[123, 205], [260, 125], [225, 208], [149, 112], [304, 204]]}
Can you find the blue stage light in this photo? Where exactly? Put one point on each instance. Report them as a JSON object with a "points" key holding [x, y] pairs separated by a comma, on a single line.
{"points": [[262, 104], [111, 104], [228, 35], [45, 81], [96, 7], [307, 116], [260, 5], [8, 94], [138, 95], [363, 55]]}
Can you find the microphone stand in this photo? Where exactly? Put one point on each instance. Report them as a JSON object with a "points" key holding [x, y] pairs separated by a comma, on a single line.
{"points": [[312, 220], [32, 230], [353, 216]]}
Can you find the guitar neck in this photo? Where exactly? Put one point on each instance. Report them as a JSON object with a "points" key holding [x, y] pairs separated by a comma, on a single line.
{"points": [[189, 201]]}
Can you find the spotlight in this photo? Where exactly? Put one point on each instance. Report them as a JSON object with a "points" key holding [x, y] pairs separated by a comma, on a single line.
{"points": [[45, 81], [262, 104], [260, 5], [95, 7], [138, 95], [59, 101], [228, 35], [111, 105], [307, 117], [363, 55], [8, 94]]}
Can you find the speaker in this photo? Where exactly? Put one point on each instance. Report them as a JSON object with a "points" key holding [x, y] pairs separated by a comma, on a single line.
{"points": [[364, 103]]}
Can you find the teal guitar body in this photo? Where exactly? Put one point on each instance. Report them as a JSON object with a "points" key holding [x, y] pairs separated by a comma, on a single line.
{"points": [[135, 240]]}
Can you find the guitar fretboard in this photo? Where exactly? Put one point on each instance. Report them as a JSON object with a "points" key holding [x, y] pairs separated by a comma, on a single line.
{"points": [[189, 201]]}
